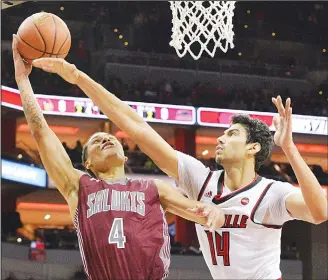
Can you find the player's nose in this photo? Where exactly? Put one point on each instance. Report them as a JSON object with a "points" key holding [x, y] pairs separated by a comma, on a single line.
{"points": [[105, 139], [220, 140]]}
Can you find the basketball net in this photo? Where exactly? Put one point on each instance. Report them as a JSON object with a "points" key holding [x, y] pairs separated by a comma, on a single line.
{"points": [[202, 22]]}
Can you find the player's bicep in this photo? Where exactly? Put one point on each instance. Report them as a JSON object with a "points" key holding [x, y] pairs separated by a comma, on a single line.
{"points": [[297, 208], [154, 146], [57, 163]]}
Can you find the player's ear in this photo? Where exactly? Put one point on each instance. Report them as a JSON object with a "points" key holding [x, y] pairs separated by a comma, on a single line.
{"points": [[125, 159], [253, 148], [88, 164]]}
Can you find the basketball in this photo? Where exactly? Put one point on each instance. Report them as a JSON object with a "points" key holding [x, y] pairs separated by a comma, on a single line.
{"points": [[43, 35]]}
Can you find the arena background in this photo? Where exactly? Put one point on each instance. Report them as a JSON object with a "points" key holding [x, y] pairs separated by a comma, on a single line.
{"points": [[280, 48]]}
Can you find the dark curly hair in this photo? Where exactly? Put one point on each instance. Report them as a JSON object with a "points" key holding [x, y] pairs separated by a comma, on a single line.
{"points": [[257, 132]]}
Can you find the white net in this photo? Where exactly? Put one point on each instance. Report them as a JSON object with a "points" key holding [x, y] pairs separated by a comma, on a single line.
{"points": [[200, 26]]}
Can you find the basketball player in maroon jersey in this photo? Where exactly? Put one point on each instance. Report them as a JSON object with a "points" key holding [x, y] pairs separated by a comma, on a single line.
{"points": [[253, 205], [120, 223]]}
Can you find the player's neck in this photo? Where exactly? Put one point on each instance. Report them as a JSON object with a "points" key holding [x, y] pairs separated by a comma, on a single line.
{"points": [[238, 177], [113, 174]]}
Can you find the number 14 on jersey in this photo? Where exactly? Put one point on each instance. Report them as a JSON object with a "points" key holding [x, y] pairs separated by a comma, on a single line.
{"points": [[219, 246]]}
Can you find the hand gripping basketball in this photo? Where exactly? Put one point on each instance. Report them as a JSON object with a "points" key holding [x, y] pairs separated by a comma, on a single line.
{"points": [[66, 70]]}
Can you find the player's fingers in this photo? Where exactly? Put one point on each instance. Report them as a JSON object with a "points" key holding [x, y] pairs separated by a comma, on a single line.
{"points": [[210, 219], [45, 64], [280, 106], [276, 122], [288, 102], [276, 103], [289, 121], [14, 47]]}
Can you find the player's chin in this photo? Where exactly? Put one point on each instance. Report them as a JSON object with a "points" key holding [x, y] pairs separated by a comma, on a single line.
{"points": [[219, 158]]}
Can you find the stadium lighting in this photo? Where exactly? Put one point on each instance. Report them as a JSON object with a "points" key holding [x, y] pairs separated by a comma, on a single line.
{"points": [[273, 34], [121, 36], [246, 26], [62, 8], [204, 153], [324, 50], [115, 30], [248, 11], [240, 54], [320, 91]]}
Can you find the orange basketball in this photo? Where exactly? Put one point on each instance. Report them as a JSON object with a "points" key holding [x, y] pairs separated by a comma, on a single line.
{"points": [[43, 35]]}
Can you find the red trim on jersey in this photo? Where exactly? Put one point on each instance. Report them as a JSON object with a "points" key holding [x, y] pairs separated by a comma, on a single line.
{"points": [[218, 199], [257, 205], [202, 190]]}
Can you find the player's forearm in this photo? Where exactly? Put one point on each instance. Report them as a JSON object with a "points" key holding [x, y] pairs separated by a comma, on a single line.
{"points": [[180, 209], [313, 195], [32, 110], [116, 110]]}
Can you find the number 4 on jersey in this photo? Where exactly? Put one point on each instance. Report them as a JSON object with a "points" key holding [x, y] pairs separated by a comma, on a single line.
{"points": [[116, 235]]}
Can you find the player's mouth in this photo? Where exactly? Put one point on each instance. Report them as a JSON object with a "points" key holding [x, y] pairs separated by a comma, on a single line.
{"points": [[218, 149], [107, 145]]}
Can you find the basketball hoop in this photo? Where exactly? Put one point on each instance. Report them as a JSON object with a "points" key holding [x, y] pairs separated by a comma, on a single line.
{"points": [[208, 23]]}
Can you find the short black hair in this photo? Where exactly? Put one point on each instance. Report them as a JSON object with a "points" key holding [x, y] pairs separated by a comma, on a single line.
{"points": [[257, 132], [84, 159], [85, 153]]}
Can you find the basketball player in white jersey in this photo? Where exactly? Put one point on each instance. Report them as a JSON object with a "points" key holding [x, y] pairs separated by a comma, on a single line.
{"points": [[248, 245]]}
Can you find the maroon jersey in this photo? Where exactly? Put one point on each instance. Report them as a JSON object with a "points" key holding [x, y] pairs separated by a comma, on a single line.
{"points": [[122, 230]]}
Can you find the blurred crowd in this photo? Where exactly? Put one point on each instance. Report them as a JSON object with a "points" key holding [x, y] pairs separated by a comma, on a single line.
{"points": [[208, 95], [168, 92]]}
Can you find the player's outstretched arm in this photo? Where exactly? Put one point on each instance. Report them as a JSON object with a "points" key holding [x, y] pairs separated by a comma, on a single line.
{"points": [[53, 155], [149, 141], [311, 205], [173, 201]]}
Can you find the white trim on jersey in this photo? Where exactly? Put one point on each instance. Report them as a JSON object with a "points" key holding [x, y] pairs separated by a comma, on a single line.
{"points": [[80, 240], [165, 252]]}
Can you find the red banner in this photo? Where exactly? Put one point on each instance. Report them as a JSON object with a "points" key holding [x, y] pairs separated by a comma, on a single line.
{"points": [[222, 118], [84, 107]]}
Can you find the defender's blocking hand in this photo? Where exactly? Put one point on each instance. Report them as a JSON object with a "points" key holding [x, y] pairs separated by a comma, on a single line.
{"points": [[66, 70]]}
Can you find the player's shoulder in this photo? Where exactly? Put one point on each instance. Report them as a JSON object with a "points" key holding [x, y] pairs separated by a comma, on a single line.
{"points": [[277, 187], [188, 159], [85, 178]]}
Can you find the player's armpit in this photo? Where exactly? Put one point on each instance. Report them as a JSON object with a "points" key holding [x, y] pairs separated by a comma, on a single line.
{"points": [[298, 209], [57, 163], [173, 201]]}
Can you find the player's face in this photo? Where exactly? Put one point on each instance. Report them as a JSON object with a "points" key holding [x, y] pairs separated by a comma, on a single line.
{"points": [[104, 151], [232, 147]]}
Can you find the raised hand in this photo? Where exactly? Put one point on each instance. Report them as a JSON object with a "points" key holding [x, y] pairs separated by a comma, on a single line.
{"points": [[22, 69], [283, 136], [66, 70], [215, 217]]}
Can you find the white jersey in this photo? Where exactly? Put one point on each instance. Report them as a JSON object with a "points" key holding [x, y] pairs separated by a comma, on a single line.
{"points": [[248, 245]]}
